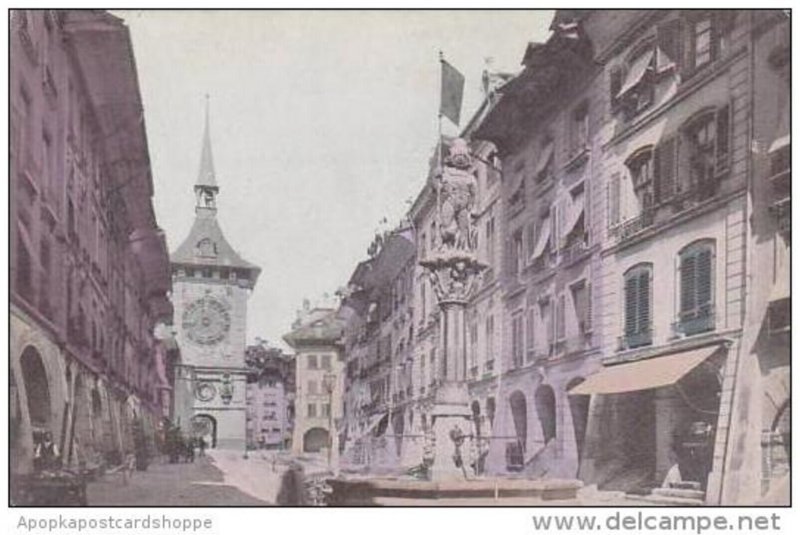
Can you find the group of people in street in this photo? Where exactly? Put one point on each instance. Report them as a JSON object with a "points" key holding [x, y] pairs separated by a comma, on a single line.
{"points": [[182, 448]]}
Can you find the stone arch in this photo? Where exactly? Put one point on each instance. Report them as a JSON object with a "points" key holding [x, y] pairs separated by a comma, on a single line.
{"points": [[518, 404], [579, 410], [315, 439], [545, 400], [37, 390], [205, 426]]}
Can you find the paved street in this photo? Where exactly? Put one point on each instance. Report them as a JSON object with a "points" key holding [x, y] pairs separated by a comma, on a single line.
{"points": [[222, 478]]}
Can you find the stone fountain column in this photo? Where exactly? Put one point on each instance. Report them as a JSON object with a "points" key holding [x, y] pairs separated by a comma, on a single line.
{"points": [[453, 268]]}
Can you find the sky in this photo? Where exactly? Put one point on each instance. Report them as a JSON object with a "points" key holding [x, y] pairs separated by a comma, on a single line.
{"points": [[322, 123]]}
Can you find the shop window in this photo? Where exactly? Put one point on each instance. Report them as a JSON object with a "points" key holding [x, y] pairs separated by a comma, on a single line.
{"points": [[638, 307]]}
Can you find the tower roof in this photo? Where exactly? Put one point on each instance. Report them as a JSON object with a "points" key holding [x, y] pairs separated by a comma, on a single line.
{"points": [[206, 244], [206, 176]]}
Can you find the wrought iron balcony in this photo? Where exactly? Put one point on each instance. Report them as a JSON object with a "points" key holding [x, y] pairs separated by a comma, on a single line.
{"points": [[631, 227], [573, 250]]}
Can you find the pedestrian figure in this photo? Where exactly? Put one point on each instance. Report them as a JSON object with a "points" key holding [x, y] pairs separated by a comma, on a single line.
{"points": [[46, 455], [202, 444]]}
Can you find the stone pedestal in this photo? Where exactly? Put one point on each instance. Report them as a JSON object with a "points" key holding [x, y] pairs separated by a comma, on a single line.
{"points": [[451, 417]]}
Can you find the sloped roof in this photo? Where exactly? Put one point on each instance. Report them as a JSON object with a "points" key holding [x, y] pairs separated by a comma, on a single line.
{"points": [[206, 226], [323, 328]]}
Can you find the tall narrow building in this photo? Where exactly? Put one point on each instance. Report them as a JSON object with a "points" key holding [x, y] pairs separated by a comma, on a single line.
{"points": [[211, 285]]}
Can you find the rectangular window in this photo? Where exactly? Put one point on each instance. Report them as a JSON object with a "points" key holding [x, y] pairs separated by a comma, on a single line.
{"points": [[579, 129], [531, 328], [696, 290], [312, 410], [702, 42], [326, 410], [312, 388], [312, 362], [638, 330], [518, 258], [326, 362], [560, 318], [516, 340], [580, 300], [490, 238], [546, 322], [489, 329]]}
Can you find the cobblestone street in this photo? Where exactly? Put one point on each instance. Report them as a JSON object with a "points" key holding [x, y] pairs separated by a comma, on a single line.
{"points": [[201, 483]]}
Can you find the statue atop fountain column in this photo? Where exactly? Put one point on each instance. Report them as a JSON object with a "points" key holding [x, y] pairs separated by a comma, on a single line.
{"points": [[457, 195], [453, 268]]}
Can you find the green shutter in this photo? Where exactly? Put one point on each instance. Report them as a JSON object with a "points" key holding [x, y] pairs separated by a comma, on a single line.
{"points": [[688, 282], [644, 302], [631, 304], [704, 280]]}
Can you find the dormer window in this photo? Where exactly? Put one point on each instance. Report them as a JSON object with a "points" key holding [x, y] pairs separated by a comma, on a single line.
{"points": [[207, 248]]}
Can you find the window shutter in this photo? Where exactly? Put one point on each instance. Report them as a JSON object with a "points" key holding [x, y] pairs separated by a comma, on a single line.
{"points": [[665, 163], [723, 148], [703, 279], [531, 328], [560, 327], [631, 303], [688, 282], [613, 191], [670, 41], [587, 317], [644, 302]]}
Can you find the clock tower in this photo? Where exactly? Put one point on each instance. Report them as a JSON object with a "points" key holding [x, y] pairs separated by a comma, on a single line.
{"points": [[211, 285]]}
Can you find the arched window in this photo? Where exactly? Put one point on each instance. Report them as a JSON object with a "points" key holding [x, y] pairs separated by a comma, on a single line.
{"points": [[696, 288], [638, 306]]}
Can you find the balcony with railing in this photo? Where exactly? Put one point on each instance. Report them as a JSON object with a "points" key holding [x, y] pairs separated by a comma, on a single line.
{"points": [[631, 227], [574, 250]]}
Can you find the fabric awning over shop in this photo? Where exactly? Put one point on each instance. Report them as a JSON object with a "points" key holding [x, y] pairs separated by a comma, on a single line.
{"points": [[779, 143], [574, 214], [644, 374], [636, 72], [541, 243]]}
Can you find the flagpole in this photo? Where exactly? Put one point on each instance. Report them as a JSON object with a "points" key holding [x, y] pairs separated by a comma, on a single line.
{"points": [[440, 143]]}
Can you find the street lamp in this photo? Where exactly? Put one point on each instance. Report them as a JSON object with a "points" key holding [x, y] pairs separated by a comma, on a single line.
{"points": [[329, 382]]}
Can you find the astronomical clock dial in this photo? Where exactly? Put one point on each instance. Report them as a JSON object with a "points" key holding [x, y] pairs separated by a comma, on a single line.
{"points": [[206, 321]]}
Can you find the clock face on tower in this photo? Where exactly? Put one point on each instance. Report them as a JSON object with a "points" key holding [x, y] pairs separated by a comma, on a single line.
{"points": [[206, 321]]}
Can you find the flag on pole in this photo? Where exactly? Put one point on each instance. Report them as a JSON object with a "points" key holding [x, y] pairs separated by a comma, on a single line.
{"points": [[452, 92]]}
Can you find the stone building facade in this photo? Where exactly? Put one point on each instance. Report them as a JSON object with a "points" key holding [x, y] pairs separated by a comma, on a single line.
{"points": [[316, 338], [644, 191], [211, 286], [269, 397], [89, 267]]}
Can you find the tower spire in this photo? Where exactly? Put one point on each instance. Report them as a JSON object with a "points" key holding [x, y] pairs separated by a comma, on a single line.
{"points": [[207, 177]]}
